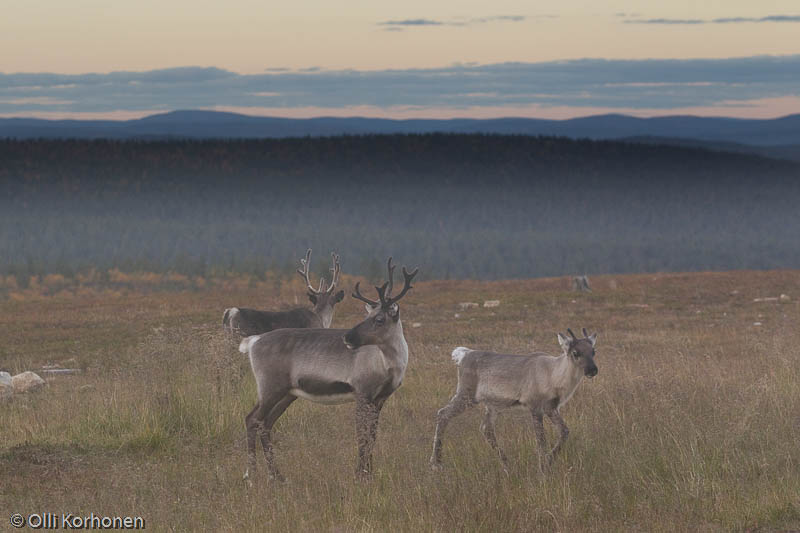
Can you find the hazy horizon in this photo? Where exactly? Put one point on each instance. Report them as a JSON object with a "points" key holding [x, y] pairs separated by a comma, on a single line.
{"points": [[123, 116], [746, 87]]}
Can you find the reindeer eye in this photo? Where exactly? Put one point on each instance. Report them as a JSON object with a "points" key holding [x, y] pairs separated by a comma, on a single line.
{"points": [[380, 319], [575, 354]]}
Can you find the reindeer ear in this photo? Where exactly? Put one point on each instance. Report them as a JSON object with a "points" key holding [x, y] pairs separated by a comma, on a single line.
{"points": [[368, 308], [592, 338], [338, 297], [563, 341], [312, 297]]}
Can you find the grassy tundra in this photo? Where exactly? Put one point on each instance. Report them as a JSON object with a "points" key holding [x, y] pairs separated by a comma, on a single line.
{"points": [[692, 423]]}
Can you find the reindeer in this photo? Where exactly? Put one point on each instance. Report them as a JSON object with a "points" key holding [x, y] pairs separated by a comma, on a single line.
{"points": [[581, 284], [539, 383], [365, 365], [248, 322]]}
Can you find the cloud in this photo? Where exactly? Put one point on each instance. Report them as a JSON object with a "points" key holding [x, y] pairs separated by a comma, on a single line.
{"points": [[411, 22], [780, 18], [723, 20], [166, 76], [400, 24], [598, 83], [665, 21], [499, 18], [36, 100]]}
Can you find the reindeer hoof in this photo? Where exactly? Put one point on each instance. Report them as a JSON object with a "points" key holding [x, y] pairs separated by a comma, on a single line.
{"points": [[247, 481], [363, 475], [437, 466]]}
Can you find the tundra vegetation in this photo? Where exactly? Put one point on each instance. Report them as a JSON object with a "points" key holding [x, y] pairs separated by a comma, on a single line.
{"points": [[691, 424]]}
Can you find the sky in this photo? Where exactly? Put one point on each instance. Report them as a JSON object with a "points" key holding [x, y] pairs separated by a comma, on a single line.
{"points": [[123, 59]]}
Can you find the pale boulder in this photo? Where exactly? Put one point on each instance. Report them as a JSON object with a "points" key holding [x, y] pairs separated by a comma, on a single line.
{"points": [[6, 386], [27, 382]]}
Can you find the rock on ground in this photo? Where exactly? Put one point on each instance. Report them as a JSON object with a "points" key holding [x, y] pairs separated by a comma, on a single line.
{"points": [[6, 386], [27, 382]]}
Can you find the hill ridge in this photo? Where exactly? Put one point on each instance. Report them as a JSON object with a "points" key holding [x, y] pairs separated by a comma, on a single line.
{"points": [[189, 123]]}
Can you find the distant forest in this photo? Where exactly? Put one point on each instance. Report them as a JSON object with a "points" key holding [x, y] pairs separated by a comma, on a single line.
{"points": [[459, 206]]}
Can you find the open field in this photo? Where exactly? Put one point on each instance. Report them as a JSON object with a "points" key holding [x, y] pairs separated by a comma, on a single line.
{"points": [[691, 425]]}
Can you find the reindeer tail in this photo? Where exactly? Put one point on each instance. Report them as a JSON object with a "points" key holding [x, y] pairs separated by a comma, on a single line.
{"points": [[228, 315], [247, 343], [459, 353]]}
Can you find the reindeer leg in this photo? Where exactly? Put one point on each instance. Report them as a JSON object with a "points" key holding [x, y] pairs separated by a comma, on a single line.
{"points": [[538, 429], [251, 425], [455, 407], [555, 418], [367, 413], [266, 435], [254, 422], [487, 428]]}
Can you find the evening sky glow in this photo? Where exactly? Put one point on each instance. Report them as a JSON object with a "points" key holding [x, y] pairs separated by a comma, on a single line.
{"points": [[400, 60]]}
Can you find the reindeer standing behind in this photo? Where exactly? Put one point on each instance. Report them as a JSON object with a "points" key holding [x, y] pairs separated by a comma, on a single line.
{"points": [[246, 322]]}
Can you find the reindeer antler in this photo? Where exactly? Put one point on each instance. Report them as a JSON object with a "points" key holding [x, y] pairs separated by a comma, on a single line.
{"points": [[390, 268], [385, 290], [304, 271], [572, 334], [585, 333], [358, 296], [323, 284], [335, 271], [408, 276]]}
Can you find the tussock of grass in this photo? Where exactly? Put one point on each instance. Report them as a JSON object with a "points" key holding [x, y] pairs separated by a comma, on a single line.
{"points": [[692, 423]]}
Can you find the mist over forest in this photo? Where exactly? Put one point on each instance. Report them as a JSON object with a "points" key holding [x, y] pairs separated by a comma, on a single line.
{"points": [[457, 205]]}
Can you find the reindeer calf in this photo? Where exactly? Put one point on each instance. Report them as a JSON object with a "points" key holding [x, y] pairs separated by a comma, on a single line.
{"points": [[539, 383]]}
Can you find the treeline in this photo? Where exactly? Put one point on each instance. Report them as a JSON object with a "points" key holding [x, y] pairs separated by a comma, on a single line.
{"points": [[460, 206]]}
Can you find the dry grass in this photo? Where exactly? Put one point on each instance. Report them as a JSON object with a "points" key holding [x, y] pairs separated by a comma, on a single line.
{"points": [[692, 423]]}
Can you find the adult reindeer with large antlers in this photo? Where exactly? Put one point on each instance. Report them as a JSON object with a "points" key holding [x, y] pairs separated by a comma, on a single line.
{"points": [[365, 365], [248, 322]]}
